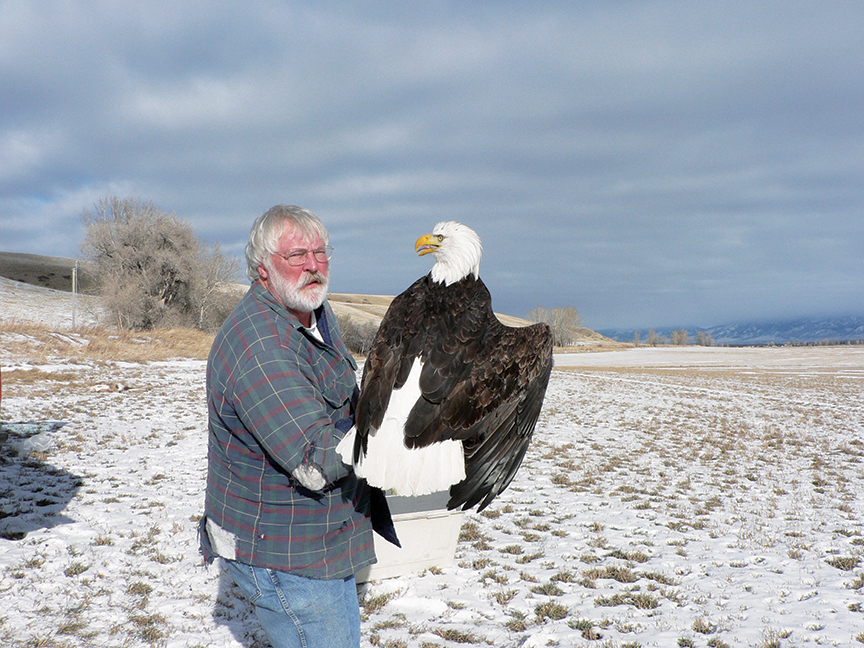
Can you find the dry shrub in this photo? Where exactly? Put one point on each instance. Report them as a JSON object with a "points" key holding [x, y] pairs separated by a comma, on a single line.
{"points": [[357, 336], [151, 269]]}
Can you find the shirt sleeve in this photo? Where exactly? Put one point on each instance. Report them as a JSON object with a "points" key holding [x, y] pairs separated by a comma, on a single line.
{"points": [[279, 402]]}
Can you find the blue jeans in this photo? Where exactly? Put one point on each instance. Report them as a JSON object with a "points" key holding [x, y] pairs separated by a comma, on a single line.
{"points": [[298, 612]]}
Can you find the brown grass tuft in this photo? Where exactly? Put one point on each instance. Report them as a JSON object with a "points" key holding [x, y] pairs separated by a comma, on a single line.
{"points": [[38, 343]]}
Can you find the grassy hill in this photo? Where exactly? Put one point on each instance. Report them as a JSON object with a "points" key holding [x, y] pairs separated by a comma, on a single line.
{"points": [[46, 271]]}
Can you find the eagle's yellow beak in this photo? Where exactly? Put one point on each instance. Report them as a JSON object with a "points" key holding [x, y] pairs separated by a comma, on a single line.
{"points": [[426, 244]]}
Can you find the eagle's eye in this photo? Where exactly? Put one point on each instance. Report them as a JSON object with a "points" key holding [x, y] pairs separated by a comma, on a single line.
{"points": [[440, 238]]}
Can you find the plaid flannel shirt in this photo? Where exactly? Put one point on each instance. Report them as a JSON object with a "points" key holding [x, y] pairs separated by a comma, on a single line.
{"points": [[278, 399]]}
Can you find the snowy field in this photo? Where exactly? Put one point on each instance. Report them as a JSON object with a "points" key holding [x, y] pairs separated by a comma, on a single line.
{"points": [[671, 497]]}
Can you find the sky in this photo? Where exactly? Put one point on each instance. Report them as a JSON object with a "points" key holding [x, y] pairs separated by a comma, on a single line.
{"points": [[649, 163]]}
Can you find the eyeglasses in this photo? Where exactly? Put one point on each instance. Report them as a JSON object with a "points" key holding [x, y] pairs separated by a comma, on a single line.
{"points": [[298, 257]]}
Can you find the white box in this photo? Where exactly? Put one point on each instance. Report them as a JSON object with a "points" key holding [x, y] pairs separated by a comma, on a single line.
{"points": [[427, 531]]}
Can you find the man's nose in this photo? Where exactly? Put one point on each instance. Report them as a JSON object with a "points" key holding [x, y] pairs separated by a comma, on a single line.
{"points": [[310, 263]]}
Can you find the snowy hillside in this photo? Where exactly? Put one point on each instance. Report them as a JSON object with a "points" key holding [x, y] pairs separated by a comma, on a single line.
{"points": [[815, 329], [807, 330], [28, 303]]}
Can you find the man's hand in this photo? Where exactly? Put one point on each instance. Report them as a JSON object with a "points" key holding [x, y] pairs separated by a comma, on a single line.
{"points": [[310, 476]]}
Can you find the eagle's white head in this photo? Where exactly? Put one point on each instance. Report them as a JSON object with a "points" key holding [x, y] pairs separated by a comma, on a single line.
{"points": [[457, 251]]}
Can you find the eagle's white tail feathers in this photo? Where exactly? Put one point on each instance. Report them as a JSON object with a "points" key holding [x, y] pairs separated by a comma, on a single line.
{"points": [[345, 448], [393, 467]]}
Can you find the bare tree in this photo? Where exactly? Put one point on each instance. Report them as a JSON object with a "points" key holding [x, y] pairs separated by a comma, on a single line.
{"points": [[214, 301], [680, 337], [653, 339], [704, 338], [151, 269], [564, 322]]}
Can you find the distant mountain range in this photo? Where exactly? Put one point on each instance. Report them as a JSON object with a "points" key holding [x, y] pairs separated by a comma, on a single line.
{"points": [[809, 330]]}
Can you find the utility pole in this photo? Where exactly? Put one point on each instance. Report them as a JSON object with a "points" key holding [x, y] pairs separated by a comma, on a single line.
{"points": [[74, 293]]}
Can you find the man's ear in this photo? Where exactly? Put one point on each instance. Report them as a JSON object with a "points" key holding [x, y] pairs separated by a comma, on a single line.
{"points": [[262, 272]]}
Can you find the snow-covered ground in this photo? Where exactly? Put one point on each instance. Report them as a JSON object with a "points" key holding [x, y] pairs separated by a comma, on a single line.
{"points": [[671, 497], [793, 358]]}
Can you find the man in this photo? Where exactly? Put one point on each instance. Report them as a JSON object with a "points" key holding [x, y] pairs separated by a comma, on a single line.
{"points": [[290, 520]]}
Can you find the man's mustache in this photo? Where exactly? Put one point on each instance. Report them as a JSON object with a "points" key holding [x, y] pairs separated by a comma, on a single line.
{"points": [[313, 277]]}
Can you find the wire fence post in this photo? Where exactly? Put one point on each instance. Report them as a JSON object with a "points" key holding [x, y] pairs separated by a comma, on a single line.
{"points": [[74, 293]]}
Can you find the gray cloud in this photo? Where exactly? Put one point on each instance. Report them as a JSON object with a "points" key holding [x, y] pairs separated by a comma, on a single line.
{"points": [[649, 163]]}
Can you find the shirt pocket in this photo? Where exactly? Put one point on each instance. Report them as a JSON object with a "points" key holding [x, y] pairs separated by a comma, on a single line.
{"points": [[337, 390]]}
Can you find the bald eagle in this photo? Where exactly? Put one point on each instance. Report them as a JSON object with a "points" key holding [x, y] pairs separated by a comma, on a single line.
{"points": [[449, 396]]}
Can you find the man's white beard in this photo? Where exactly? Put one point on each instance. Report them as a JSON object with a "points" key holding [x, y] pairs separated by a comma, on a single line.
{"points": [[293, 297]]}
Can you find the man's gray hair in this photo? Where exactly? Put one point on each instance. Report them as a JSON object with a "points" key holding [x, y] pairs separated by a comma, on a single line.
{"points": [[268, 228]]}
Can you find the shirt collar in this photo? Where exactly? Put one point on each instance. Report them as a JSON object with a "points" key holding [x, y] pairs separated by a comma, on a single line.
{"points": [[313, 330]]}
